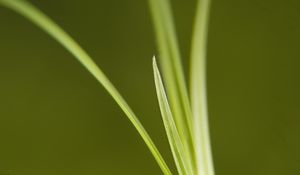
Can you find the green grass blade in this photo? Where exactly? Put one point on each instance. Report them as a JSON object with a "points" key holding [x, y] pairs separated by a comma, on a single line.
{"points": [[181, 160], [172, 70], [198, 89], [37, 17]]}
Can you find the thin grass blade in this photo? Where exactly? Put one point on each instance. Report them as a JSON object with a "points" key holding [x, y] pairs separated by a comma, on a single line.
{"points": [[198, 89], [181, 160], [45, 23], [172, 71]]}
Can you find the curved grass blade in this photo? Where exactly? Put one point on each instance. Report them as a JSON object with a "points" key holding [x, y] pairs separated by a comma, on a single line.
{"points": [[37, 17], [182, 162], [198, 89], [172, 71]]}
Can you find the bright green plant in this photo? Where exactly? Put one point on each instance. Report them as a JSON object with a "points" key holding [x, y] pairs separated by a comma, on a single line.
{"points": [[184, 114]]}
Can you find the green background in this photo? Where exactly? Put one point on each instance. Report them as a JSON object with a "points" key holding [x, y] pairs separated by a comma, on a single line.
{"points": [[55, 119]]}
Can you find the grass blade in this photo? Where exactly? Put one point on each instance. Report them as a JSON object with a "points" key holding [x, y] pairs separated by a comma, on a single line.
{"points": [[173, 71], [198, 89], [181, 160], [37, 17]]}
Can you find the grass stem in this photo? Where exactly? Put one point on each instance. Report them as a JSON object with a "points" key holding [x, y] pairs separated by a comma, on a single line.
{"points": [[198, 89]]}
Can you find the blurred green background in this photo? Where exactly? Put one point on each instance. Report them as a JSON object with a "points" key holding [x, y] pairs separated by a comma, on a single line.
{"points": [[56, 119]]}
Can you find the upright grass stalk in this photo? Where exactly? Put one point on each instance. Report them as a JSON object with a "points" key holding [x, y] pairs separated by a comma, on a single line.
{"points": [[45, 23], [173, 75], [183, 164], [192, 126], [198, 89]]}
